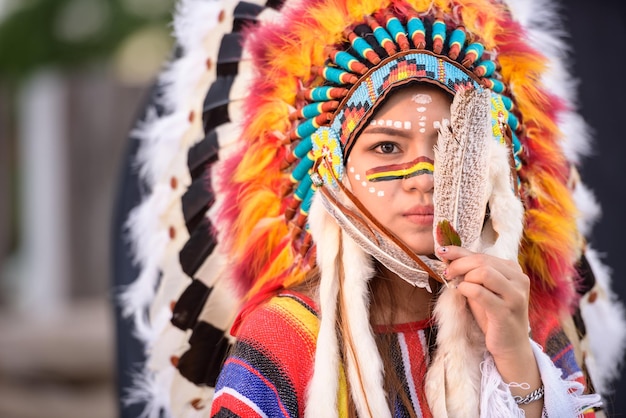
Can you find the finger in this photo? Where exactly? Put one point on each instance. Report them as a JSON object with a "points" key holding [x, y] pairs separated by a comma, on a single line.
{"points": [[464, 264], [480, 295], [491, 279], [452, 252]]}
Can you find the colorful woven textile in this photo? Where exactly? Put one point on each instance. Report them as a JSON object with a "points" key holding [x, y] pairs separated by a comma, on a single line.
{"points": [[271, 364]]}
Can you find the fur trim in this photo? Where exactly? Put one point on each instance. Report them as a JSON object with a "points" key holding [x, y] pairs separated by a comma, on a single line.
{"points": [[507, 212], [453, 378], [322, 390], [364, 365]]}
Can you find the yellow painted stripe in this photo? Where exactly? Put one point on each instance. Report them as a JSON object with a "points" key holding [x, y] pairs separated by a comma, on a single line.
{"points": [[402, 173]]}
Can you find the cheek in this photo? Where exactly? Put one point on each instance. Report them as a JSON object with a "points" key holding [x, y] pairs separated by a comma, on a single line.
{"points": [[361, 187]]}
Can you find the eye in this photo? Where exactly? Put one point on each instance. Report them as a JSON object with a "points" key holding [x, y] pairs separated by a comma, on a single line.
{"points": [[386, 148]]}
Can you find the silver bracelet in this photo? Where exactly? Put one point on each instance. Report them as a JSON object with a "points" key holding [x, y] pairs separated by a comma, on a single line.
{"points": [[533, 396]]}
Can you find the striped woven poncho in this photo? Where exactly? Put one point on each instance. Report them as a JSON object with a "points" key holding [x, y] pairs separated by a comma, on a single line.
{"points": [[267, 373]]}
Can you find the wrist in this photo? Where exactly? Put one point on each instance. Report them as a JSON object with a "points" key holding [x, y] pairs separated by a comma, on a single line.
{"points": [[519, 366]]}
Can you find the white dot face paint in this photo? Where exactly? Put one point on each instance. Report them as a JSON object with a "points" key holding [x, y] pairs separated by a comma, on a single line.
{"points": [[398, 124], [367, 185], [422, 98]]}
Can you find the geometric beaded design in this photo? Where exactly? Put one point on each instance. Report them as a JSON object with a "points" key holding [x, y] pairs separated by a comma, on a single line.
{"points": [[394, 71]]}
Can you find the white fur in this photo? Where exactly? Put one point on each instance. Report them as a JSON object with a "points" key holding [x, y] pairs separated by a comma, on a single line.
{"points": [[323, 387], [507, 211], [588, 206], [370, 399], [460, 350]]}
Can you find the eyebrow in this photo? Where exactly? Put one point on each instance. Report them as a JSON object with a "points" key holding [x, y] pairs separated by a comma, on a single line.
{"points": [[388, 130]]}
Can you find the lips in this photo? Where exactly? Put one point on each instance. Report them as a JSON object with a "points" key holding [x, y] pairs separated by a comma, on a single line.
{"points": [[420, 210], [420, 215]]}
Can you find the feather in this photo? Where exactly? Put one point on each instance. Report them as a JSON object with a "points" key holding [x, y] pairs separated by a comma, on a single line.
{"points": [[446, 234], [460, 197], [157, 226], [379, 243], [461, 166]]}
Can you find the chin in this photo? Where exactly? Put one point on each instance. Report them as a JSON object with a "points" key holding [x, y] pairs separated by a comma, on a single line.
{"points": [[422, 248], [422, 243]]}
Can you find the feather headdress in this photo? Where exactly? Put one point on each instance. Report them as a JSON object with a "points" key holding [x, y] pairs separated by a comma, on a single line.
{"points": [[298, 78]]}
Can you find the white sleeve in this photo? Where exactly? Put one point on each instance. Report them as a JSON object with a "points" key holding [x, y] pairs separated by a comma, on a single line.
{"points": [[562, 398]]}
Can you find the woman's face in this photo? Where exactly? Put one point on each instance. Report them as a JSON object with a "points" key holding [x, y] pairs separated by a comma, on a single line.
{"points": [[390, 166]]}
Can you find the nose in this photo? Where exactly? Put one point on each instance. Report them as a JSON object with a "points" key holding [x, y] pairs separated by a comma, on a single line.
{"points": [[421, 182]]}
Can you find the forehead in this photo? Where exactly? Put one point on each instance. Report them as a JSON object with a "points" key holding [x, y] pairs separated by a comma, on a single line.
{"points": [[416, 98]]}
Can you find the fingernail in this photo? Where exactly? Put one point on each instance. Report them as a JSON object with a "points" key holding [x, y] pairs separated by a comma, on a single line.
{"points": [[442, 249]]}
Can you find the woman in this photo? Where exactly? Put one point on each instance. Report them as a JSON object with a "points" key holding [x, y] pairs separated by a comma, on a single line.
{"points": [[398, 125]]}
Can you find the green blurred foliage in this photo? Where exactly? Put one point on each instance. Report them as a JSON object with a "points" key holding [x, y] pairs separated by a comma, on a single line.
{"points": [[32, 36]]}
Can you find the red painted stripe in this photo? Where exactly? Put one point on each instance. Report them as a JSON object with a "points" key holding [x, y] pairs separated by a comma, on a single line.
{"points": [[402, 166]]}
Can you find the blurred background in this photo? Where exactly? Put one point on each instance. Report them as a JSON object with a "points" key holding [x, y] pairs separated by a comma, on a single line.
{"points": [[74, 75]]}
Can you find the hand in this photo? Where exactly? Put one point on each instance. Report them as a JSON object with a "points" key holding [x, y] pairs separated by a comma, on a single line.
{"points": [[497, 293]]}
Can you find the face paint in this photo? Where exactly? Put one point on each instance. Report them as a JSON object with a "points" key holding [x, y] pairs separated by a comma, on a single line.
{"points": [[422, 98], [437, 124], [391, 123], [365, 184], [419, 166]]}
